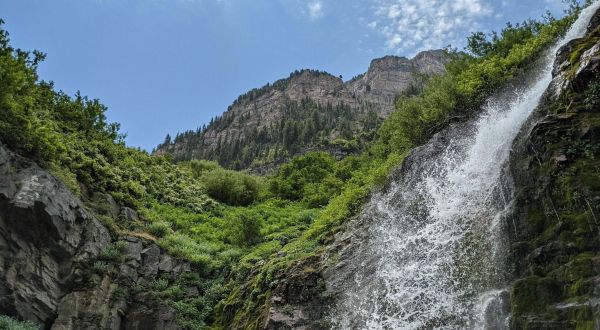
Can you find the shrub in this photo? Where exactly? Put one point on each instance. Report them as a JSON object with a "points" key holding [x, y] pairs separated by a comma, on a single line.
{"points": [[114, 252], [159, 228], [199, 167], [592, 96], [9, 323], [232, 188], [301, 177], [246, 229]]}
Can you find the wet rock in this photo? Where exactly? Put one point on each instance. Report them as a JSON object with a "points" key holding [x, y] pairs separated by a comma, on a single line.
{"points": [[557, 201], [297, 301], [589, 67], [559, 158]]}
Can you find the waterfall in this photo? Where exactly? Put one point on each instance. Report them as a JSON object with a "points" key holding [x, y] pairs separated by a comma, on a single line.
{"points": [[436, 255]]}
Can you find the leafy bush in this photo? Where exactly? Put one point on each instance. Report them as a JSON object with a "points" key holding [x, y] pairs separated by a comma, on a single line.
{"points": [[9, 323], [232, 188], [592, 96], [246, 230], [310, 178], [199, 167], [114, 252], [159, 228]]}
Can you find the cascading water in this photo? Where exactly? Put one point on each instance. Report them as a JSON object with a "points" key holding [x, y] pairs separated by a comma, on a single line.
{"points": [[436, 253]]}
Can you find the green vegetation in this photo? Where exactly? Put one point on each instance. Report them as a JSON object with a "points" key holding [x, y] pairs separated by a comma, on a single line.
{"points": [[8, 323], [558, 230], [114, 252], [306, 124], [457, 95], [231, 187], [226, 223]]}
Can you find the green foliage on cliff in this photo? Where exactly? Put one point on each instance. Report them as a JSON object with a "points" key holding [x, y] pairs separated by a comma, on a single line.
{"points": [[452, 97], [312, 178], [469, 81], [306, 125], [191, 208], [558, 241], [232, 188], [9, 323]]}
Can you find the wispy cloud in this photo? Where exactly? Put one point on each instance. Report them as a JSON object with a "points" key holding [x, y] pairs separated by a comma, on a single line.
{"points": [[315, 9], [413, 25]]}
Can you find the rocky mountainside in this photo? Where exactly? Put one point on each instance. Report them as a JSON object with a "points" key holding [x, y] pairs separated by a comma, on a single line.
{"points": [[556, 246], [310, 110], [62, 268]]}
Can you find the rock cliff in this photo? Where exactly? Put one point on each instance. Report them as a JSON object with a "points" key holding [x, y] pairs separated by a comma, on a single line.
{"points": [[555, 164], [60, 267], [308, 110]]}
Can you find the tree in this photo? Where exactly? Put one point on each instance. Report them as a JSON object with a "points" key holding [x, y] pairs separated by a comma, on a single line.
{"points": [[478, 44]]}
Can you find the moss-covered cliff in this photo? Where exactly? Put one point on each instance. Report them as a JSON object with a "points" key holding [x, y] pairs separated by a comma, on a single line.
{"points": [[557, 223]]}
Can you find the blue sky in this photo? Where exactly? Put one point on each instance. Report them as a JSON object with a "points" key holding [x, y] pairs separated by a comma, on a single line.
{"points": [[163, 66]]}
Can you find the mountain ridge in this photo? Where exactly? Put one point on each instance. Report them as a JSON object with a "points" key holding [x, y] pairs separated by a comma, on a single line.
{"points": [[313, 108]]}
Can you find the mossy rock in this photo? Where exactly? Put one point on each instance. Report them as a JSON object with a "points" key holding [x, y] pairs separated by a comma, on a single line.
{"points": [[532, 295]]}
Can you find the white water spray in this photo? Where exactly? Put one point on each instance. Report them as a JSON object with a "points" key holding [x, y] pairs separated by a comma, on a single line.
{"points": [[437, 253]]}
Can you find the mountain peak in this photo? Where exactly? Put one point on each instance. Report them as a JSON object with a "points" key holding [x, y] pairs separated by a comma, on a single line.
{"points": [[401, 63], [317, 106]]}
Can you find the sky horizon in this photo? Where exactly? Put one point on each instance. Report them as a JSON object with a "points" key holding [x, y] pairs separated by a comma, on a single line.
{"points": [[167, 66]]}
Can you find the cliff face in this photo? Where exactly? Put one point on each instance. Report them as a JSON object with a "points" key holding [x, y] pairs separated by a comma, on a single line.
{"points": [[308, 110], [555, 165], [390, 75], [60, 267]]}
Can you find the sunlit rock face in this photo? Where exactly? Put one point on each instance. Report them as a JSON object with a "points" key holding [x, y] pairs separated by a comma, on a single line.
{"points": [[390, 75], [374, 91]]}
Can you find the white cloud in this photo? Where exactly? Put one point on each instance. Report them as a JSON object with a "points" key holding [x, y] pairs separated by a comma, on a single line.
{"points": [[413, 25], [315, 9], [393, 11]]}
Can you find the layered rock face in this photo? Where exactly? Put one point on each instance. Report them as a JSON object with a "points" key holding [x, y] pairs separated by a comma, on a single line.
{"points": [[556, 245], [60, 267], [390, 75], [263, 111]]}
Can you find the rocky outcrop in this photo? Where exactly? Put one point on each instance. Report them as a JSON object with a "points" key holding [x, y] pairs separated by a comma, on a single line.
{"points": [[44, 234], [555, 165], [60, 267], [390, 75]]}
